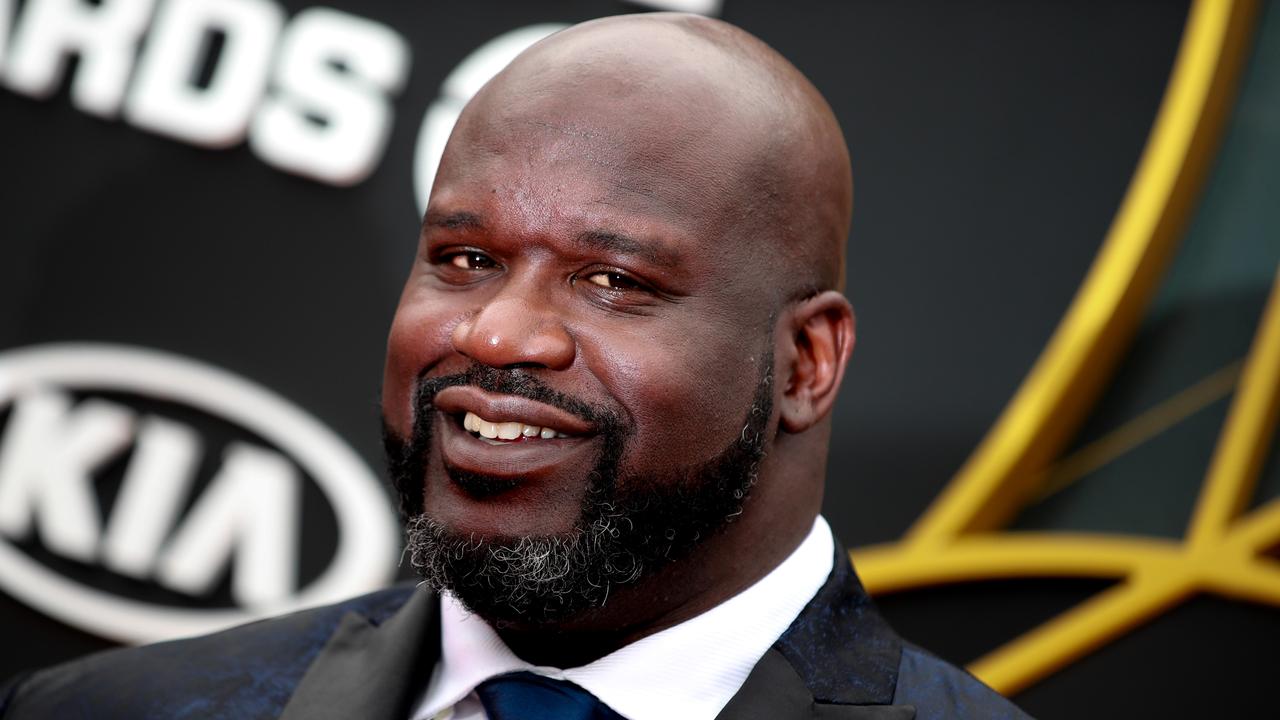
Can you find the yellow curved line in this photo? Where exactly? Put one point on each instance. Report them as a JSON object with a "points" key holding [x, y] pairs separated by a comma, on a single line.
{"points": [[1151, 590], [1258, 581], [1219, 554], [897, 567], [1242, 446], [947, 545], [1078, 631], [1155, 574], [893, 568], [1053, 399], [1258, 531], [1132, 433]]}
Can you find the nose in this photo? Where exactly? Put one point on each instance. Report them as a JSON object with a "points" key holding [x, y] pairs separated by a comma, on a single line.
{"points": [[509, 331]]}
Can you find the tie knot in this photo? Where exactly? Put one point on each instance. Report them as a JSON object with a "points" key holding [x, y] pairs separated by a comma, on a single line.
{"points": [[526, 696]]}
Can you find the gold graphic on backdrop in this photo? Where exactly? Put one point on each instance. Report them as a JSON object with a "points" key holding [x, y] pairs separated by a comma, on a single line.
{"points": [[958, 539]]}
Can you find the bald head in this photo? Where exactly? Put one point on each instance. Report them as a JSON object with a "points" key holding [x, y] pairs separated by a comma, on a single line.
{"points": [[634, 240], [690, 117]]}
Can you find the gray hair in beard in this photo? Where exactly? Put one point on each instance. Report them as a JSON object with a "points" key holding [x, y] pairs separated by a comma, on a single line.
{"points": [[526, 579], [618, 538]]}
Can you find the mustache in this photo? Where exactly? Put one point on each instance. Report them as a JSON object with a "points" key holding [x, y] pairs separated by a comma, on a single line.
{"points": [[406, 456], [519, 382]]}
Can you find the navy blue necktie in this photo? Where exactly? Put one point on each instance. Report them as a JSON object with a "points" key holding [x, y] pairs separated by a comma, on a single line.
{"points": [[526, 696]]}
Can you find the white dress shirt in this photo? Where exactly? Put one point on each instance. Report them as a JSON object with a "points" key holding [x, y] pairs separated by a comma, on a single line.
{"points": [[688, 671]]}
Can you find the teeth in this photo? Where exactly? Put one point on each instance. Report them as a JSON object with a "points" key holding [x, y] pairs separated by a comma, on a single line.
{"points": [[509, 430]]}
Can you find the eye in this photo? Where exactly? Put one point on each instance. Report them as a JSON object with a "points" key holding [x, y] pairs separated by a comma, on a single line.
{"points": [[613, 281], [471, 260]]}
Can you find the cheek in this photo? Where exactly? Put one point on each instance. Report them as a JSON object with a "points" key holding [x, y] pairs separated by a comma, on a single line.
{"points": [[418, 340], [688, 401]]}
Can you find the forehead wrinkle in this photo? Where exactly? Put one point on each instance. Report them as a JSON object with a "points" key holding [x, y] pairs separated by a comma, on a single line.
{"points": [[569, 129], [629, 173], [619, 134], [572, 140], [616, 242]]}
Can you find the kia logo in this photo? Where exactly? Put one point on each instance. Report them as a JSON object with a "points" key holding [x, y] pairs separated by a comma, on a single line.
{"points": [[69, 417]]}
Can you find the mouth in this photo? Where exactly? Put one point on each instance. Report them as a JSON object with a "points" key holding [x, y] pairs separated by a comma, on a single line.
{"points": [[507, 437], [508, 418], [500, 432]]}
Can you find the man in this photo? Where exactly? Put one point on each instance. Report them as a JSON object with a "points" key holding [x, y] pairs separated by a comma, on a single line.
{"points": [[607, 406]]}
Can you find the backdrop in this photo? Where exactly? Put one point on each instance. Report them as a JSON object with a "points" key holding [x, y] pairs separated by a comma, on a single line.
{"points": [[1054, 454]]}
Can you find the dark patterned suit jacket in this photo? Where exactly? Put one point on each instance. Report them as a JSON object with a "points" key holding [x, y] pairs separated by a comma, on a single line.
{"points": [[370, 657]]}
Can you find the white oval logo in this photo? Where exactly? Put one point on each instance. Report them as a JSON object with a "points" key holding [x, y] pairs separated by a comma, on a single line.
{"points": [[59, 433]]}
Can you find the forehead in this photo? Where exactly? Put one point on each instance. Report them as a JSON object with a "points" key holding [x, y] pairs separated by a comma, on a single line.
{"points": [[546, 188], [650, 146]]}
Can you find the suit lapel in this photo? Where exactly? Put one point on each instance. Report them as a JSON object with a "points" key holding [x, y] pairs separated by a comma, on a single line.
{"points": [[371, 670], [774, 691], [838, 660]]}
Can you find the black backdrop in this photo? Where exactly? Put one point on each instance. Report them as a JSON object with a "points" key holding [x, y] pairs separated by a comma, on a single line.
{"points": [[992, 142]]}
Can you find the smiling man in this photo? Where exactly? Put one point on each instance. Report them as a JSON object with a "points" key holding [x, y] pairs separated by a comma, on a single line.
{"points": [[607, 409], [629, 241]]}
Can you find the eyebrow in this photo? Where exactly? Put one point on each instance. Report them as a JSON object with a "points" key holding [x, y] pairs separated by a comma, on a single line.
{"points": [[603, 240], [626, 245], [453, 221]]}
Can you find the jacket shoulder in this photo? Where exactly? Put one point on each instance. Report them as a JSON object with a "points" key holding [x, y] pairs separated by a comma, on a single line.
{"points": [[249, 671], [939, 689]]}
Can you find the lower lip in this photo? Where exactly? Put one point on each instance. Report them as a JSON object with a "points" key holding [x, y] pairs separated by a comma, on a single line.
{"points": [[525, 458]]}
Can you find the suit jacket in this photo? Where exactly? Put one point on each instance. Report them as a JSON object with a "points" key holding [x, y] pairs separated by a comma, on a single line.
{"points": [[371, 657]]}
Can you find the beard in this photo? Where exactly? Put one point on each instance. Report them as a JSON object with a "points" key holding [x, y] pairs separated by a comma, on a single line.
{"points": [[627, 527]]}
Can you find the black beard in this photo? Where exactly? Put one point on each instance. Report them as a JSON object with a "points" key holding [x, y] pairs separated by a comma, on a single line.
{"points": [[619, 537]]}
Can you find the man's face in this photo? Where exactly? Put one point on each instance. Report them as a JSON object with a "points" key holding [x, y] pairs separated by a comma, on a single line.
{"points": [[575, 286]]}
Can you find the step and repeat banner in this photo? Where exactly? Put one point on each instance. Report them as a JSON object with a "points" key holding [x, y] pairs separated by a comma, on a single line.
{"points": [[1055, 454]]}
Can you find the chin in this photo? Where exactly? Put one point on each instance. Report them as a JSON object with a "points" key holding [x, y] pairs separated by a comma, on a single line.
{"points": [[503, 509], [526, 580]]}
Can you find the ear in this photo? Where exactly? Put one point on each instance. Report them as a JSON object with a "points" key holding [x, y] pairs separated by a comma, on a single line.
{"points": [[820, 341]]}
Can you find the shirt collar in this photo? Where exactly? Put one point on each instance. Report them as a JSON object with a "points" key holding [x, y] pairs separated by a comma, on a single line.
{"points": [[699, 664]]}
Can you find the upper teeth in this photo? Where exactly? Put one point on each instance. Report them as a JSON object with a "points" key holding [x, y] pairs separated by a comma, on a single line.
{"points": [[506, 430]]}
